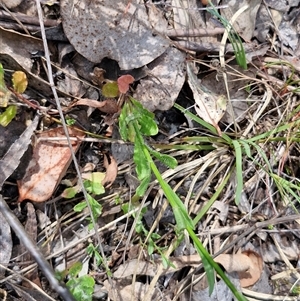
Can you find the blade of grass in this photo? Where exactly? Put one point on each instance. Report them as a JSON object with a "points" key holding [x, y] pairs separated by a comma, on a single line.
{"points": [[212, 199], [202, 122]]}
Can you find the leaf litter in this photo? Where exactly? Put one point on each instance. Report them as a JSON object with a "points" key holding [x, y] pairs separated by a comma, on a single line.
{"points": [[134, 35]]}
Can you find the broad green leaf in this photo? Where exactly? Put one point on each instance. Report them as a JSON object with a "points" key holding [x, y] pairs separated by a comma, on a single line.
{"points": [[8, 115], [155, 236], [70, 192], [82, 288], [169, 161], [141, 110], [165, 261], [80, 206], [19, 80], [75, 269], [110, 90], [148, 125], [142, 165], [96, 207], [94, 187]]}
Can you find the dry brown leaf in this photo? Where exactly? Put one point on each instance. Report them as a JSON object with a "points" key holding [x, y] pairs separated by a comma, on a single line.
{"points": [[108, 106], [234, 262], [48, 165], [111, 166], [208, 105], [118, 291], [247, 264], [250, 277], [148, 268]]}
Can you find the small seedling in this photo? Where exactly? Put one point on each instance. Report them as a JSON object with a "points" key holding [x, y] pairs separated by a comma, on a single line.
{"points": [[81, 287], [93, 186], [19, 81]]}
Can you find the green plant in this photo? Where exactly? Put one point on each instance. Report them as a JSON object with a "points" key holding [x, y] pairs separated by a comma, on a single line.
{"points": [[19, 81], [141, 229], [93, 186], [233, 37], [81, 287], [93, 252], [136, 123]]}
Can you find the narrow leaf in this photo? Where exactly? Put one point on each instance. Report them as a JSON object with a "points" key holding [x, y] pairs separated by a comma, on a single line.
{"points": [[4, 92], [8, 115]]}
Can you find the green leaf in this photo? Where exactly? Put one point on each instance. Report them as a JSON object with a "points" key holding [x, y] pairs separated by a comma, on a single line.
{"points": [[70, 192], [122, 122], [202, 122], [233, 37], [150, 247], [19, 80], [96, 207], [80, 206], [141, 189], [75, 269], [148, 125], [165, 261], [110, 90], [94, 187], [8, 115], [82, 288], [142, 165], [155, 236], [4, 92], [169, 161]]}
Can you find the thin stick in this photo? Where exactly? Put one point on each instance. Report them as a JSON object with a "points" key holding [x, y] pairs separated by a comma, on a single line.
{"points": [[80, 180], [34, 251]]}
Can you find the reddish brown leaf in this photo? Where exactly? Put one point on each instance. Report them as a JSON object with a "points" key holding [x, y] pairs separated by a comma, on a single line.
{"points": [[124, 81], [48, 165], [111, 170]]}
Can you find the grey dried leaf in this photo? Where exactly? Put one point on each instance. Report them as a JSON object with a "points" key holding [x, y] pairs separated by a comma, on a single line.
{"points": [[119, 30], [5, 243], [11, 159]]}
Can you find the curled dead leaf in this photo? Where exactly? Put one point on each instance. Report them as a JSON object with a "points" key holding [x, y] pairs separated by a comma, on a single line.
{"points": [[111, 166], [247, 264], [251, 276]]}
